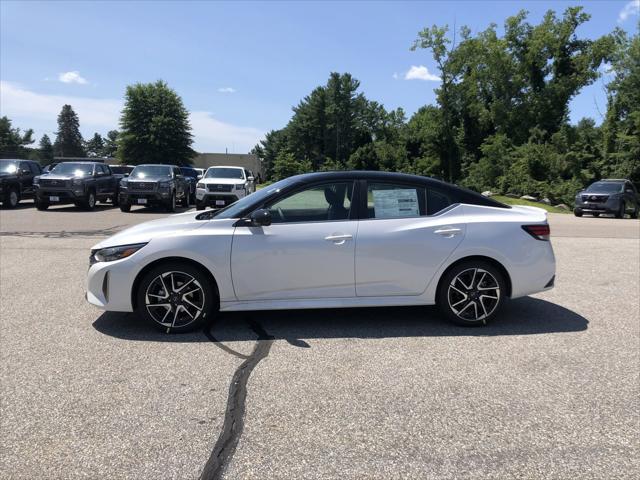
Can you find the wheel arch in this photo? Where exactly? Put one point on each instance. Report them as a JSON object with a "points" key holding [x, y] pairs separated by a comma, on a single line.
{"points": [[160, 261], [492, 261]]}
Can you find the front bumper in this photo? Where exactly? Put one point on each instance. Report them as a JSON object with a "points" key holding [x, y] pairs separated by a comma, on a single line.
{"points": [[610, 206], [144, 198], [218, 199], [109, 284], [60, 197]]}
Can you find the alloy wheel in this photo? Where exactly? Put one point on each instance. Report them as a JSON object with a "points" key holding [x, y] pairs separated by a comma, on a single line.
{"points": [[13, 198], [174, 299], [92, 200], [473, 294]]}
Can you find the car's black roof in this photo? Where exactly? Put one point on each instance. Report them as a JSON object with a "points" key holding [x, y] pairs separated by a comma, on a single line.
{"points": [[464, 195]]}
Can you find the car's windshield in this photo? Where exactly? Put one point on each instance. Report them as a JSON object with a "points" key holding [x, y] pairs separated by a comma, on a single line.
{"points": [[75, 169], [257, 198], [7, 166], [216, 172], [146, 171], [604, 187], [189, 172]]}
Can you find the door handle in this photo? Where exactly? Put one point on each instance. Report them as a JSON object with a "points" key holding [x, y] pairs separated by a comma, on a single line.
{"points": [[338, 239], [448, 231]]}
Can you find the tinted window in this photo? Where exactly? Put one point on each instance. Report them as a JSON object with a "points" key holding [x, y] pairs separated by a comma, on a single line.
{"points": [[75, 169], [146, 171], [216, 172], [189, 172], [386, 200], [438, 200], [320, 203], [35, 168]]}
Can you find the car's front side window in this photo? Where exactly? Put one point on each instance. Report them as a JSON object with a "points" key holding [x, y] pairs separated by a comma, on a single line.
{"points": [[387, 200], [319, 203]]}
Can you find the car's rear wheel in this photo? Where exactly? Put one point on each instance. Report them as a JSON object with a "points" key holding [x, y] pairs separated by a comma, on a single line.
{"points": [[577, 212], [12, 198], [471, 293], [176, 297]]}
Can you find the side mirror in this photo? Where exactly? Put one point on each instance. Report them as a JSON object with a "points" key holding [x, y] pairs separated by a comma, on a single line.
{"points": [[260, 218], [199, 177], [251, 179], [126, 174]]}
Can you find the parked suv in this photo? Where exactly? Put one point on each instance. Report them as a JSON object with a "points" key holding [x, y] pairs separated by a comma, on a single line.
{"points": [[154, 185], [615, 196], [192, 176], [81, 183], [16, 180], [221, 186]]}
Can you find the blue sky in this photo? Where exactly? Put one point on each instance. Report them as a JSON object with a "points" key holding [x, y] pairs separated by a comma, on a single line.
{"points": [[240, 66]]}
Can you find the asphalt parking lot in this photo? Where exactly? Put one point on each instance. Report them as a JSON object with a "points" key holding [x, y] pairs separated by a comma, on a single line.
{"points": [[549, 390]]}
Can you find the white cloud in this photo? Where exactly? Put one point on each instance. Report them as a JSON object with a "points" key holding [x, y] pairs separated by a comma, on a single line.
{"points": [[421, 73], [630, 9], [227, 90], [213, 135], [72, 77], [39, 111]]}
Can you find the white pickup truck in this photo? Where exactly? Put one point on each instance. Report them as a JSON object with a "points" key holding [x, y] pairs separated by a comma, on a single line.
{"points": [[221, 186]]}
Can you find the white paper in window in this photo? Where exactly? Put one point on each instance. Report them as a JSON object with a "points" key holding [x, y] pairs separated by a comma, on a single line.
{"points": [[396, 203]]}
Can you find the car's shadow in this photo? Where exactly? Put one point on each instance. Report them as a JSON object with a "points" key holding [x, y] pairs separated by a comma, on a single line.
{"points": [[525, 316]]}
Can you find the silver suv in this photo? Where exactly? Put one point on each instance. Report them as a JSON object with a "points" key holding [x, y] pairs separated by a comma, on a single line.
{"points": [[221, 186]]}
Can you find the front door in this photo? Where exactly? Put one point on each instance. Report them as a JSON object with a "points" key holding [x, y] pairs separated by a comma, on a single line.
{"points": [[307, 252]]}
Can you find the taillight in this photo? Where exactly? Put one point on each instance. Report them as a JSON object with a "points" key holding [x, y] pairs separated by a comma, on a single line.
{"points": [[539, 232]]}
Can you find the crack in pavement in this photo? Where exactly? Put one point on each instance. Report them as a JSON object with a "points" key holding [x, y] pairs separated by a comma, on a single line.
{"points": [[233, 424]]}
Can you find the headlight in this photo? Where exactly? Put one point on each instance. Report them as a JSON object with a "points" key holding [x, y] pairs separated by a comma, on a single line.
{"points": [[123, 183], [164, 186], [77, 181], [239, 186], [36, 180], [114, 253], [200, 185]]}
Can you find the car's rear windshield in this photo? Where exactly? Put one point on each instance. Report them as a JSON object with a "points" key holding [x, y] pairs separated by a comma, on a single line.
{"points": [[145, 171], [224, 173], [605, 187], [8, 166], [75, 169]]}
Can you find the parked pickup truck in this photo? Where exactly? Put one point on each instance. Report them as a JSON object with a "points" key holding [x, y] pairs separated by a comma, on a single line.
{"points": [[16, 180], [154, 185], [80, 183]]}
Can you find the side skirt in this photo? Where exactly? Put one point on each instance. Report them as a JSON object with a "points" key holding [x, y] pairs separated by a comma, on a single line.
{"points": [[349, 302]]}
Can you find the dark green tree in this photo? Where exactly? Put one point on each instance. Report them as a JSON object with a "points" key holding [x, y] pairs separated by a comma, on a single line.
{"points": [[13, 143], [154, 126], [95, 146], [69, 141], [110, 144], [46, 150]]}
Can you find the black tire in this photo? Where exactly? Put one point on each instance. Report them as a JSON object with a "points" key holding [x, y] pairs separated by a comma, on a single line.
{"points": [[125, 207], [635, 213], [488, 279], [41, 205], [204, 296], [200, 206], [89, 203], [192, 199], [170, 206], [185, 200], [12, 198], [115, 200], [621, 211], [594, 214], [577, 212]]}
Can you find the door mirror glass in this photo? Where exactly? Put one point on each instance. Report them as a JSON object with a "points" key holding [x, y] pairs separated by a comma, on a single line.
{"points": [[260, 218]]}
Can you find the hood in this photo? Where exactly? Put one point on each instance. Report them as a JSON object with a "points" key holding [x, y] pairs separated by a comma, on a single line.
{"points": [[221, 181], [145, 232]]}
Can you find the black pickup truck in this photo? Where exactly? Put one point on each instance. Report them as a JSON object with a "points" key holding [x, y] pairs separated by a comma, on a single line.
{"points": [[154, 185], [81, 183], [16, 180]]}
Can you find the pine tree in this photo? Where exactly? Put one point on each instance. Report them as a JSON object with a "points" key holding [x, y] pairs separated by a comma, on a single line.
{"points": [[68, 137], [95, 146], [46, 150]]}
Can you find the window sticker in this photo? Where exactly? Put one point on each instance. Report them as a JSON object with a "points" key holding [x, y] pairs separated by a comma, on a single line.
{"points": [[396, 203]]}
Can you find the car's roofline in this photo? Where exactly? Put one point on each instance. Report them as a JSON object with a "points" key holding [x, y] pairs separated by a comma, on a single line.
{"points": [[225, 166]]}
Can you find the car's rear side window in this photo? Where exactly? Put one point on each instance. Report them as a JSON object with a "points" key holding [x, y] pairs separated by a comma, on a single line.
{"points": [[389, 200], [438, 200]]}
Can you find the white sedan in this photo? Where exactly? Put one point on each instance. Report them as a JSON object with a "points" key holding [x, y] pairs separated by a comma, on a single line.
{"points": [[328, 240]]}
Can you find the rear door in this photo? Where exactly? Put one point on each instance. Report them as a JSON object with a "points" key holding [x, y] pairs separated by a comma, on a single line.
{"points": [[306, 253], [408, 232]]}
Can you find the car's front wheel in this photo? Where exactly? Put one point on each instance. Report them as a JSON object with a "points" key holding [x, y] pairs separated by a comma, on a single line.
{"points": [[577, 212], [471, 293], [621, 211], [170, 206], [176, 297], [12, 198]]}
